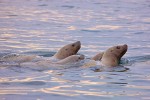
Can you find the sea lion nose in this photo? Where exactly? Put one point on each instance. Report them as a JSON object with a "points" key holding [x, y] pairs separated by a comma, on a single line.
{"points": [[82, 57], [126, 46], [78, 42]]}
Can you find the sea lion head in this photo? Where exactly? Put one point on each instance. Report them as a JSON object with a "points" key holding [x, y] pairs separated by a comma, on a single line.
{"points": [[68, 50], [98, 56], [71, 59], [112, 56], [118, 50]]}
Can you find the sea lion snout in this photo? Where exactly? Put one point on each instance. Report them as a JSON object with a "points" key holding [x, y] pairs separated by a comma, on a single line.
{"points": [[81, 57], [125, 46], [78, 44]]}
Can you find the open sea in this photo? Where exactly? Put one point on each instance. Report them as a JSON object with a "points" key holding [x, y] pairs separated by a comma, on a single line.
{"points": [[42, 27]]}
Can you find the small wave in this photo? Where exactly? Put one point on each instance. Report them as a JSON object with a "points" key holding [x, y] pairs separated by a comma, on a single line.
{"points": [[3, 53], [90, 30], [12, 15], [34, 83], [131, 60], [43, 5], [139, 33], [109, 69], [44, 65], [125, 62], [40, 53], [67, 6], [136, 59]]}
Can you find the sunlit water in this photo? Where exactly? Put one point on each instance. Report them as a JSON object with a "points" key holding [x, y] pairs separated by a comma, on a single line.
{"points": [[41, 27]]}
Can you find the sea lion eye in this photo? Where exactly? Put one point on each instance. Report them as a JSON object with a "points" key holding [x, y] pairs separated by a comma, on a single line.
{"points": [[118, 47], [73, 45]]}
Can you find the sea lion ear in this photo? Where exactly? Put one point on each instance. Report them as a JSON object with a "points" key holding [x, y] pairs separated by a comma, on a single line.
{"points": [[73, 45]]}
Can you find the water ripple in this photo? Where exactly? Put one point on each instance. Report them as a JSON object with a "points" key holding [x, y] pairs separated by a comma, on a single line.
{"points": [[41, 27]]}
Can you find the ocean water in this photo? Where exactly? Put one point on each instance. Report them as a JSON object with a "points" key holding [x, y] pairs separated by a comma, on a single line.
{"points": [[42, 27]]}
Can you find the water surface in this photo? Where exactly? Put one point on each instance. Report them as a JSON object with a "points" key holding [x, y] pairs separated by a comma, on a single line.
{"points": [[41, 27]]}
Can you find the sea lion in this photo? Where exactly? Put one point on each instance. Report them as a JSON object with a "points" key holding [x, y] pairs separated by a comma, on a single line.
{"points": [[16, 58], [112, 56], [68, 50], [98, 56], [94, 60], [64, 52], [71, 59], [89, 63]]}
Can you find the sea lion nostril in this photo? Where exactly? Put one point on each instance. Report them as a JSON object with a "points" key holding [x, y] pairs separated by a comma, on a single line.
{"points": [[78, 42], [82, 57]]}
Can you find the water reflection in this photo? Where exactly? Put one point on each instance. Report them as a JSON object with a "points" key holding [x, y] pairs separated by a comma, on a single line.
{"points": [[88, 82], [62, 90], [139, 87], [28, 25], [72, 28], [17, 91], [105, 27]]}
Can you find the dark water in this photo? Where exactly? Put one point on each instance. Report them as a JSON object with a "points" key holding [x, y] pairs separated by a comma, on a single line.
{"points": [[41, 27]]}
